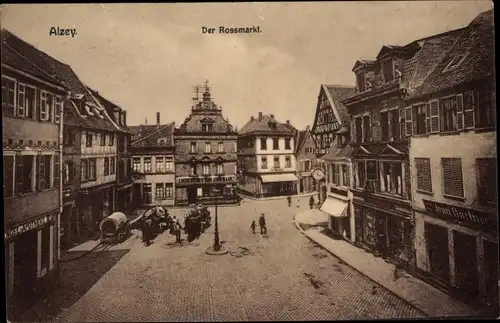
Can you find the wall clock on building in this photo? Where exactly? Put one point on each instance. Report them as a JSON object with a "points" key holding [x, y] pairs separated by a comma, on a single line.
{"points": [[318, 174]]}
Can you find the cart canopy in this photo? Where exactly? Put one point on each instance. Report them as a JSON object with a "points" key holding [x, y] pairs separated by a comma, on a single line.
{"points": [[113, 222]]}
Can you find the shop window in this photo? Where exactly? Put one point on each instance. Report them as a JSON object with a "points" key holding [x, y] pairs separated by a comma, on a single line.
{"points": [[136, 165], [106, 166], [276, 144], [160, 165], [391, 181], [452, 177], [159, 191], [369, 228], [147, 164], [45, 249], [436, 241], [424, 179], [263, 143], [44, 168], [487, 175], [8, 176], [263, 162], [288, 162]]}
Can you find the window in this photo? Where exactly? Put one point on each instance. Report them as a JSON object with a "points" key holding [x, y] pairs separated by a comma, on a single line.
{"points": [[44, 168], [469, 107], [207, 127], [169, 164], [83, 170], [288, 145], [68, 136], [45, 248], [147, 164], [91, 169], [391, 181], [387, 70], [57, 108], [360, 174], [193, 148], [192, 170], [449, 114], [169, 190], [24, 174], [103, 139], [366, 128], [220, 147], [307, 165], [8, 96], [8, 175], [67, 172], [263, 162], [395, 126], [424, 179], [112, 165], [111, 139], [263, 143], [208, 147], [345, 175], [136, 165], [276, 162], [452, 177], [44, 106], [160, 166], [384, 125], [106, 166], [419, 118], [220, 169], [159, 191], [359, 129], [485, 110], [336, 174], [360, 79], [288, 162], [146, 192], [206, 169], [487, 175], [89, 139], [454, 62], [276, 144], [21, 97]]}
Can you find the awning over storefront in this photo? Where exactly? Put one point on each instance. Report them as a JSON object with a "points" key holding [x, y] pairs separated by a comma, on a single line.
{"points": [[335, 208], [278, 178]]}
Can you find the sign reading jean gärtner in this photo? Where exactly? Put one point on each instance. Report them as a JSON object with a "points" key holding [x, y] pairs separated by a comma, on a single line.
{"points": [[451, 212]]}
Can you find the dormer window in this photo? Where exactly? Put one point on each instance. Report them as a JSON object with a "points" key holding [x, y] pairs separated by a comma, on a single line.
{"points": [[455, 62], [342, 140], [360, 79], [388, 70]]}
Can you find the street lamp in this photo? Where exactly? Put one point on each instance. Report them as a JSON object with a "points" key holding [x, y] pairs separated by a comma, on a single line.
{"points": [[217, 249]]}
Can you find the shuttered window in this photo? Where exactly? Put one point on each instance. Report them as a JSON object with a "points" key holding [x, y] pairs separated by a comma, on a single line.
{"points": [[8, 96], [460, 112], [44, 166], [57, 171], [487, 175], [468, 107], [408, 121], [434, 116], [453, 177], [485, 111], [424, 179]]}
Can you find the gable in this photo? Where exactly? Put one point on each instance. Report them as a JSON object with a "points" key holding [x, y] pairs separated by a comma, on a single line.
{"points": [[325, 117], [307, 142]]}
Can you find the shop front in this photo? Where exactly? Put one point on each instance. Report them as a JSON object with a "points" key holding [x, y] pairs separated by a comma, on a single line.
{"points": [[278, 185], [31, 261], [457, 250], [206, 190], [96, 203], [339, 216]]}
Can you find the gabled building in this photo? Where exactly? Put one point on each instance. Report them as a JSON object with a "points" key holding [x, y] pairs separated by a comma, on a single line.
{"points": [[205, 146], [266, 157], [382, 178], [33, 100], [451, 121], [153, 164], [306, 162]]}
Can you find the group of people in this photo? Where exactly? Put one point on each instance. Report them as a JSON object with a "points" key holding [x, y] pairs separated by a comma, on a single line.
{"points": [[147, 230], [311, 202], [262, 225]]}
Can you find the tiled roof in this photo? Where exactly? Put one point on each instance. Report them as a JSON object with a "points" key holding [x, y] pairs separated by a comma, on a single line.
{"points": [[110, 108], [262, 125], [337, 93], [477, 44], [149, 135], [335, 152]]}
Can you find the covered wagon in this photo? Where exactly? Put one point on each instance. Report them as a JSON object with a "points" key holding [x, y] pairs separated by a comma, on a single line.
{"points": [[116, 227]]}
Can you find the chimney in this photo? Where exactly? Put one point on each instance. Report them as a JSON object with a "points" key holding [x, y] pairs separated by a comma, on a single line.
{"points": [[307, 127], [272, 116], [158, 118], [252, 118], [288, 122], [260, 115]]}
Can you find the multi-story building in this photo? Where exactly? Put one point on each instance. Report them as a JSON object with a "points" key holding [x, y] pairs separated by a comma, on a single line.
{"points": [[205, 148], [266, 157], [451, 118], [306, 161], [32, 107], [382, 182], [153, 164]]}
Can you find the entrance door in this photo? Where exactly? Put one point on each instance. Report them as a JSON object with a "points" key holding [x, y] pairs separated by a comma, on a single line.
{"points": [[491, 271], [436, 239], [191, 195], [381, 234], [466, 273], [25, 275]]}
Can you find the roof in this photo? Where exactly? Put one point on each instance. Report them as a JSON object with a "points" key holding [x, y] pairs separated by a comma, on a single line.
{"points": [[110, 108], [336, 93], [335, 152], [262, 125], [64, 74], [150, 135], [300, 137], [475, 47]]}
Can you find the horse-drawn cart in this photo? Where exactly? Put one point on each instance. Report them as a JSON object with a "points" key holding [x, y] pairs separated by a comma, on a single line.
{"points": [[115, 227], [196, 221]]}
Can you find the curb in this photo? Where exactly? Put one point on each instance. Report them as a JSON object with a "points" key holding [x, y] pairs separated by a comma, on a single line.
{"points": [[276, 197], [345, 262]]}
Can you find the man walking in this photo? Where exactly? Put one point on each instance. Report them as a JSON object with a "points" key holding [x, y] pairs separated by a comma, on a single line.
{"points": [[289, 199], [262, 224], [311, 202]]}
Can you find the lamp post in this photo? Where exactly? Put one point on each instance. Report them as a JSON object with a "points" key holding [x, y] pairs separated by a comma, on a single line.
{"points": [[216, 249]]}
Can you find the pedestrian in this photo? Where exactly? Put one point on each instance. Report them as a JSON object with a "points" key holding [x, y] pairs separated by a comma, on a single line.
{"points": [[289, 199], [262, 224], [252, 226], [311, 202], [178, 229], [147, 232], [298, 203]]}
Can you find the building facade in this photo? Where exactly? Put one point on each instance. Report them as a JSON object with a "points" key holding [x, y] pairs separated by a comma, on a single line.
{"points": [[205, 165], [32, 121], [266, 158], [382, 179], [452, 122], [153, 164], [306, 162]]}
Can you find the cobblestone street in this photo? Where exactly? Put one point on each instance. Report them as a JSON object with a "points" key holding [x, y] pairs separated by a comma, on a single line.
{"points": [[280, 277]]}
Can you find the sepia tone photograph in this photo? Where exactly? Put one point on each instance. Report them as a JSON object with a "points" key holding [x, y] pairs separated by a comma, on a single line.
{"points": [[265, 161]]}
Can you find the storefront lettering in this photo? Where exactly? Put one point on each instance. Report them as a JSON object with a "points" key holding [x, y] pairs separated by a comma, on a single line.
{"points": [[455, 212], [26, 227], [187, 180]]}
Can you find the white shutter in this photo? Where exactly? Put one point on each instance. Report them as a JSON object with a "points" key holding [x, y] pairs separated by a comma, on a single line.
{"points": [[434, 118], [408, 119], [468, 110], [427, 118], [460, 110]]}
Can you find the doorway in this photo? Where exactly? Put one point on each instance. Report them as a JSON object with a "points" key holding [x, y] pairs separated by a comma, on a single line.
{"points": [[25, 269], [381, 234], [436, 240], [191, 195], [466, 272]]}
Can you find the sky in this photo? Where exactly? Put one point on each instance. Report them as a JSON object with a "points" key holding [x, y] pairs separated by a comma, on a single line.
{"points": [[147, 57]]}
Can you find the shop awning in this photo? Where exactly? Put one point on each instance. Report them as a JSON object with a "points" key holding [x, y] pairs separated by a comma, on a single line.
{"points": [[335, 208], [278, 178]]}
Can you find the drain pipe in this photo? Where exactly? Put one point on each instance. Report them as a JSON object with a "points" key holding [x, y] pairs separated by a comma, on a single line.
{"points": [[61, 168]]}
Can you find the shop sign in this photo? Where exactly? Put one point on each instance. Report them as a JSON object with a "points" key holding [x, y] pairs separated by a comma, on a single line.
{"points": [[20, 229], [206, 179], [456, 212]]}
